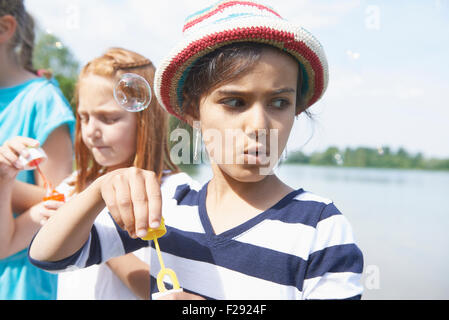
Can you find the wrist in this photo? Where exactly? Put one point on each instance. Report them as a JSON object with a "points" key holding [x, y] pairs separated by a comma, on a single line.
{"points": [[92, 197], [95, 187]]}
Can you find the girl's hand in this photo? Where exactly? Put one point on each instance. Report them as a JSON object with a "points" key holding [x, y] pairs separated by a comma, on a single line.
{"points": [[133, 197], [41, 212], [9, 154]]}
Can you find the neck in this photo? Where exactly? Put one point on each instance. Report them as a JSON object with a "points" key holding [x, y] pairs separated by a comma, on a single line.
{"points": [[222, 188], [12, 74]]}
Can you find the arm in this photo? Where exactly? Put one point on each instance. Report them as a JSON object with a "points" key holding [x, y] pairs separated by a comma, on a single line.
{"points": [[25, 195], [6, 217], [133, 199], [59, 164], [15, 234], [133, 272], [68, 230]]}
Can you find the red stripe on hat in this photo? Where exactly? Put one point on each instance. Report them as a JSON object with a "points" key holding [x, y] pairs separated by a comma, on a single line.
{"points": [[315, 62], [241, 34], [224, 6]]}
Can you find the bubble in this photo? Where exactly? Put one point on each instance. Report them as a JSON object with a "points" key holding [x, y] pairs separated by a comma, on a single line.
{"points": [[132, 92]]}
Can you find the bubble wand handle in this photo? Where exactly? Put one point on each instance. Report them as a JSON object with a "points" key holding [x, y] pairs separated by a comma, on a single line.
{"points": [[159, 255], [47, 185]]}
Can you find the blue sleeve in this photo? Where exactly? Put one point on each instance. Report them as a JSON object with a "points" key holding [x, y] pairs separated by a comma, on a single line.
{"points": [[51, 111]]}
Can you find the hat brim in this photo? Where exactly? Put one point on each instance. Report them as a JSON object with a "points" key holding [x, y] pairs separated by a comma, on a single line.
{"points": [[296, 41]]}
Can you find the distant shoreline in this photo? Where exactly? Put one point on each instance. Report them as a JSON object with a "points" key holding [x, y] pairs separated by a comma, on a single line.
{"points": [[363, 157], [354, 167]]}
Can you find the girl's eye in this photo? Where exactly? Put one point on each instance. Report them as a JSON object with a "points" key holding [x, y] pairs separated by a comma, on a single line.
{"points": [[280, 103], [233, 102], [110, 120]]}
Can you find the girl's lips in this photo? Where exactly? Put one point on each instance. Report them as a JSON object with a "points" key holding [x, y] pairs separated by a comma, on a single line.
{"points": [[100, 148], [256, 159], [260, 149]]}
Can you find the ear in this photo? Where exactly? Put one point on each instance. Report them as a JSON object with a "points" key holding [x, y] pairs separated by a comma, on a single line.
{"points": [[8, 26]]}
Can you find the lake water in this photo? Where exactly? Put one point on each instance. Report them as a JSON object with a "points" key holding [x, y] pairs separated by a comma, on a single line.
{"points": [[400, 219]]}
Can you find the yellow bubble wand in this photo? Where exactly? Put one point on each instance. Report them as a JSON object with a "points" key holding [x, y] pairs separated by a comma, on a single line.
{"points": [[153, 234]]}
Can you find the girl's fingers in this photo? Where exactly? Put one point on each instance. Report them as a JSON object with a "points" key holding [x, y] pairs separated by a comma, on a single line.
{"points": [[139, 201], [45, 214], [9, 157], [20, 144], [124, 202], [153, 190], [108, 194], [3, 160], [52, 204], [133, 197]]}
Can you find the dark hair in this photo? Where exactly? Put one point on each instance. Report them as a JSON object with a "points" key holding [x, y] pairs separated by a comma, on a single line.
{"points": [[223, 65], [22, 43]]}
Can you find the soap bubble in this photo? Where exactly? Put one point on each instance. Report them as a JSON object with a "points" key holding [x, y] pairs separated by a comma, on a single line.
{"points": [[132, 92]]}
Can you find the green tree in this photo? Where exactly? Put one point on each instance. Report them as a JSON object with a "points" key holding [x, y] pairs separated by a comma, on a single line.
{"points": [[371, 157], [297, 157], [51, 54]]}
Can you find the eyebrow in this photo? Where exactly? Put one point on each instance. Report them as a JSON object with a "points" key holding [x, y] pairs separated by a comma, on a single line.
{"points": [[236, 92], [284, 90], [101, 111]]}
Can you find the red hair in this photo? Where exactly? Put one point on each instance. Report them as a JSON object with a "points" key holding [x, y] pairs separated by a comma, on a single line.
{"points": [[151, 144]]}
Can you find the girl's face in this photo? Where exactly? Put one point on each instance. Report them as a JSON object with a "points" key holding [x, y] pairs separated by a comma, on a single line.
{"points": [[252, 117], [109, 131]]}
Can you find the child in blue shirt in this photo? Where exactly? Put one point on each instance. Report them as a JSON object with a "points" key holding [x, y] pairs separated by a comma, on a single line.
{"points": [[31, 107], [240, 70]]}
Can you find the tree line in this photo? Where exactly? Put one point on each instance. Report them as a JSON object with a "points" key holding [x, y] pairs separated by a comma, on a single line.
{"points": [[382, 157]]}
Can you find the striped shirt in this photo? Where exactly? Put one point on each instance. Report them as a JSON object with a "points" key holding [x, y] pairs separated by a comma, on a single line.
{"points": [[300, 248]]}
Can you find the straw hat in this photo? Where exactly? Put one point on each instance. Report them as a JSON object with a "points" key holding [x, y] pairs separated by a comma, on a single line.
{"points": [[228, 22]]}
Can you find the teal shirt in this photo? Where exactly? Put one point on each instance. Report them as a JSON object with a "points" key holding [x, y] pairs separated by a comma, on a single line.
{"points": [[32, 109]]}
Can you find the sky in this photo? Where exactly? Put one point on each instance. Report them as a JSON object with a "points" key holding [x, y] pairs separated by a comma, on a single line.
{"points": [[388, 68]]}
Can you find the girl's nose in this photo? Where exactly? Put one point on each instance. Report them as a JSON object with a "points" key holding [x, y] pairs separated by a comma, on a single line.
{"points": [[92, 129], [257, 120]]}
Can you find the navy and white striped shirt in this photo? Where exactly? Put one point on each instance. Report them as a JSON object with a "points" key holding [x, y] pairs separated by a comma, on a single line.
{"points": [[301, 248]]}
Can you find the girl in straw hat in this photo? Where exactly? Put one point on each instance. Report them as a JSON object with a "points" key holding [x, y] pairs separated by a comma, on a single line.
{"points": [[240, 71]]}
